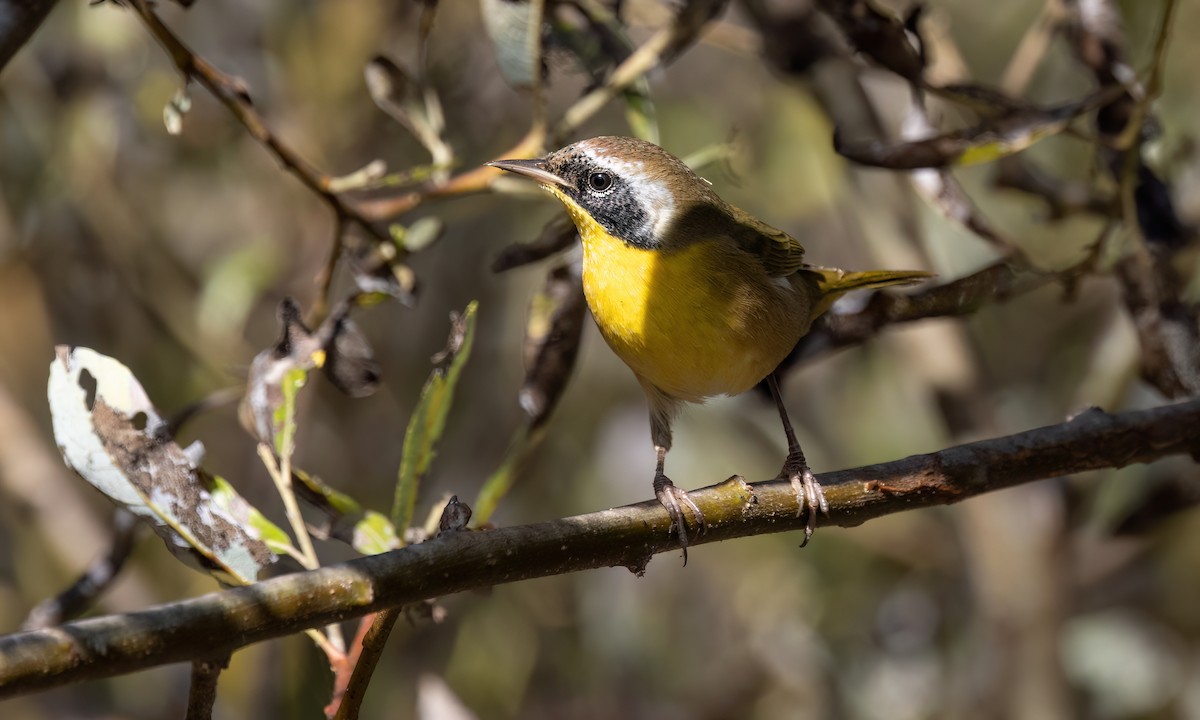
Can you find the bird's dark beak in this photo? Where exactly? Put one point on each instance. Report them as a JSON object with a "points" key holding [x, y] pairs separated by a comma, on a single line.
{"points": [[532, 169]]}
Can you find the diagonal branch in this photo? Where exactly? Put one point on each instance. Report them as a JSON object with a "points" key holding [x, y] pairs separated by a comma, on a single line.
{"points": [[97, 578], [350, 688], [222, 622], [996, 283], [19, 19], [232, 93]]}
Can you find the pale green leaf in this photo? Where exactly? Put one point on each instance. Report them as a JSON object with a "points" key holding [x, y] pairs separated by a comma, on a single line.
{"points": [[429, 418], [285, 414], [514, 28], [227, 498], [375, 534]]}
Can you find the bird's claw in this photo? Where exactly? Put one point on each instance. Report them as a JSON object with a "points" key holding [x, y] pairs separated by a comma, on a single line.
{"points": [[809, 494], [674, 499]]}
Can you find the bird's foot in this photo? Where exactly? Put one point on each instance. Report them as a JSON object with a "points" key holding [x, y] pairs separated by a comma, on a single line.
{"points": [[809, 495], [675, 499]]}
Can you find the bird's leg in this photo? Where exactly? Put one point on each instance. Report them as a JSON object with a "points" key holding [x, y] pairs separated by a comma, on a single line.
{"points": [[808, 491], [674, 499]]}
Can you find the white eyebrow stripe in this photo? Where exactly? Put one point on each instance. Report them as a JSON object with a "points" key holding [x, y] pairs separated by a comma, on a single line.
{"points": [[613, 163]]}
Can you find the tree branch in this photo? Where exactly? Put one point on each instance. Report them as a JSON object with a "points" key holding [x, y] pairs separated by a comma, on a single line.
{"points": [[994, 283], [999, 282], [218, 623], [202, 694], [350, 688], [235, 96], [98, 577], [19, 19]]}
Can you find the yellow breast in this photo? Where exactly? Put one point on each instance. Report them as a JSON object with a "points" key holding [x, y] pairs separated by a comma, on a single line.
{"points": [[696, 322]]}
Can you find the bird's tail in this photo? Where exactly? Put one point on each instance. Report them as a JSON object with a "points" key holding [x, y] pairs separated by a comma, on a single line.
{"points": [[834, 283]]}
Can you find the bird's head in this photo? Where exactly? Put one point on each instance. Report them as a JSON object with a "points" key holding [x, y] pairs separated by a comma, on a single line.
{"points": [[631, 188]]}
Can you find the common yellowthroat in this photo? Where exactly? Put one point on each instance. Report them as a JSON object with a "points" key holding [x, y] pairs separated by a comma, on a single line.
{"points": [[697, 297]]}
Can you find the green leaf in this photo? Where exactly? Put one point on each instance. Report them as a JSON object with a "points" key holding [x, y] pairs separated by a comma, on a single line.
{"points": [[640, 112], [418, 236], [375, 534], [261, 410], [368, 532], [325, 498], [429, 418], [515, 28], [285, 414], [175, 110], [524, 441], [227, 498]]}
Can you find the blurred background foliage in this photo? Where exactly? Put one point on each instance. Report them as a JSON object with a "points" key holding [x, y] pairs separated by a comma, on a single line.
{"points": [[1070, 598]]}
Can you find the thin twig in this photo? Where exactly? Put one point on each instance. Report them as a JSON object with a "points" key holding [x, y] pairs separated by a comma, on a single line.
{"points": [[283, 483], [1062, 197], [202, 694], [75, 600], [1129, 142], [1166, 323], [332, 642], [325, 278], [640, 62], [475, 180], [18, 22], [233, 94], [1032, 49], [662, 47], [993, 284], [368, 648], [1131, 135], [628, 536], [216, 399], [996, 283], [537, 10], [333, 652]]}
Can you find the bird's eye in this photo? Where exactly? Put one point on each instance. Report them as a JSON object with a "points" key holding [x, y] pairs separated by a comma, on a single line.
{"points": [[600, 181]]}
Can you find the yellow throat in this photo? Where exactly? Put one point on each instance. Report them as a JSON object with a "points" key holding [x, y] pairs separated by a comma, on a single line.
{"points": [[696, 321]]}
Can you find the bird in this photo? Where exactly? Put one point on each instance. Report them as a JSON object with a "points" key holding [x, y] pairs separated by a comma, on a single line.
{"points": [[699, 298]]}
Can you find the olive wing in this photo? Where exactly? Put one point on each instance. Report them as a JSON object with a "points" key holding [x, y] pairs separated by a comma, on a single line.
{"points": [[780, 254]]}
